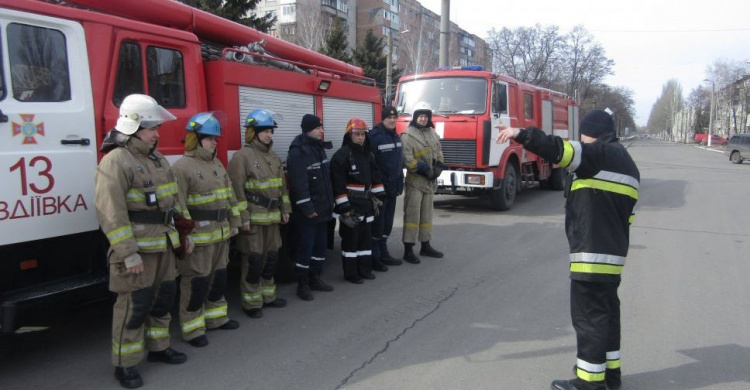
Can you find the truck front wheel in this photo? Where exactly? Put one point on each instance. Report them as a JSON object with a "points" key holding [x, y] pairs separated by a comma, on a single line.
{"points": [[504, 192], [557, 179]]}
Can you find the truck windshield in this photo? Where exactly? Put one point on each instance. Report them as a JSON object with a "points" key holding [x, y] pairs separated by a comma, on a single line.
{"points": [[449, 95]]}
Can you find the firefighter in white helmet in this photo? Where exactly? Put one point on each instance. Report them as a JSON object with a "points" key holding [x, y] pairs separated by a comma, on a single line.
{"points": [[258, 180], [423, 159], [207, 189], [137, 203]]}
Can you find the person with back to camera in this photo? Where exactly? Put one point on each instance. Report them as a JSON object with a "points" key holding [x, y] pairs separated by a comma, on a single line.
{"points": [[423, 159], [598, 213]]}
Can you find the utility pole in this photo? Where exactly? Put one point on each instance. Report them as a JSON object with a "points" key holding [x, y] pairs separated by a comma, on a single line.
{"points": [[389, 66], [445, 29]]}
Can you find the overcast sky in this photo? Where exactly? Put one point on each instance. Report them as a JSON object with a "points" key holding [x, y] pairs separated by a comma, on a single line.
{"points": [[650, 41]]}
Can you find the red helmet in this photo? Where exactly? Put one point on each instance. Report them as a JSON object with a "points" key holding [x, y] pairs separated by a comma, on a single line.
{"points": [[357, 124]]}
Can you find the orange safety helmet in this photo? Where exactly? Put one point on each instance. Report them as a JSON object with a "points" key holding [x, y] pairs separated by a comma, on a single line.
{"points": [[357, 124]]}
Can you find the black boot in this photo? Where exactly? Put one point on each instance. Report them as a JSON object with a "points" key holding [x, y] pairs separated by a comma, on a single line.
{"points": [[429, 251], [317, 284], [385, 257], [169, 356], [409, 255], [303, 288], [577, 384], [128, 377], [199, 342]]}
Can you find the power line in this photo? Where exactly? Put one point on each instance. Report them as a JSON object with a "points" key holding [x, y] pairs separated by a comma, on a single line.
{"points": [[674, 31]]}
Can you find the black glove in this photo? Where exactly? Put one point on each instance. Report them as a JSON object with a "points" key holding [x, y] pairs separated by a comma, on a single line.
{"points": [[439, 167], [349, 219]]}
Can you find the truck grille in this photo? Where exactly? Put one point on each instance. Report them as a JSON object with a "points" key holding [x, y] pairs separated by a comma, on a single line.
{"points": [[459, 151]]}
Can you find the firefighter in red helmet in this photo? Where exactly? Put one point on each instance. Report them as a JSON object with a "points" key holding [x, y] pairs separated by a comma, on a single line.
{"points": [[357, 186]]}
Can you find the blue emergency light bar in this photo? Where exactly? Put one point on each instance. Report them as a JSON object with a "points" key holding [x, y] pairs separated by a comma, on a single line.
{"points": [[470, 67]]}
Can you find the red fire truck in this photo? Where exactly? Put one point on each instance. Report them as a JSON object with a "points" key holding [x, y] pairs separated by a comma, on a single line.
{"points": [[66, 67], [468, 103]]}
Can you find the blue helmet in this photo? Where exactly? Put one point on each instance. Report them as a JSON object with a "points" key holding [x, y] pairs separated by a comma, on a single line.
{"points": [[260, 118], [204, 123]]}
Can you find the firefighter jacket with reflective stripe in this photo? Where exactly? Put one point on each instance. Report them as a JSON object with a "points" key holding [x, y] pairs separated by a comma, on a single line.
{"points": [[601, 198], [134, 177], [310, 179], [389, 156], [421, 146], [356, 178], [206, 188], [257, 169]]}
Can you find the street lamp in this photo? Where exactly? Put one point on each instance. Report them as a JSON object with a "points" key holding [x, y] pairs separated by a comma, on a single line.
{"points": [[711, 114]]}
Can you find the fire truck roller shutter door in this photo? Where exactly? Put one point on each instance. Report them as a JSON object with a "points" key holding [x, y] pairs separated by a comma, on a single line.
{"points": [[338, 112], [288, 108]]}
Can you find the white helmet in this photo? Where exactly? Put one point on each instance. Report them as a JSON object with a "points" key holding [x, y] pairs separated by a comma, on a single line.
{"points": [[141, 111], [422, 106]]}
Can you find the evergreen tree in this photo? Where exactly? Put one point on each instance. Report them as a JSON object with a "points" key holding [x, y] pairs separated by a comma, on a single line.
{"points": [[371, 56], [336, 44], [235, 10]]}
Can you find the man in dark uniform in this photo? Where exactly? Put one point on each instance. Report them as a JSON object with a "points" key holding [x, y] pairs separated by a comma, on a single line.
{"points": [[389, 157], [312, 204], [598, 213]]}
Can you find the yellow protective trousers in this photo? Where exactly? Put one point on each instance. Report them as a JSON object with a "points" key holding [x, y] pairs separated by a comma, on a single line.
{"points": [[203, 283], [417, 215], [141, 315], [260, 253]]}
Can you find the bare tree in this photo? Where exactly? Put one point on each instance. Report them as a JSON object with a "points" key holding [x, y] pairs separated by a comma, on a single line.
{"points": [[417, 50], [585, 64], [666, 106], [311, 28], [527, 53]]}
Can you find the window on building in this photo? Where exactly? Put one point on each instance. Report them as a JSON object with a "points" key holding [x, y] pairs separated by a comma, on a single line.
{"points": [[38, 64]]}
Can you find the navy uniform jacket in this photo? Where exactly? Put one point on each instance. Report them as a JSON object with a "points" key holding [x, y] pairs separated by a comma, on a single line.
{"points": [[389, 157], [309, 179]]}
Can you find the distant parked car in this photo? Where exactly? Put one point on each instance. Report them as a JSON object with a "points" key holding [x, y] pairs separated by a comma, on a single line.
{"points": [[715, 140], [738, 148]]}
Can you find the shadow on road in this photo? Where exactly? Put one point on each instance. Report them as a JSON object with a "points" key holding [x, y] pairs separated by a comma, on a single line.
{"points": [[728, 362]]}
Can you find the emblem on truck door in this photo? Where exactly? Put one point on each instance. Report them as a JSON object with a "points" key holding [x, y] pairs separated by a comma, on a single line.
{"points": [[28, 129]]}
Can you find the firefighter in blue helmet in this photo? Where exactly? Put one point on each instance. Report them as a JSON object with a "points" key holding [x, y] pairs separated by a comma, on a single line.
{"points": [[312, 201], [207, 189], [258, 179], [598, 213], [385, 144]]}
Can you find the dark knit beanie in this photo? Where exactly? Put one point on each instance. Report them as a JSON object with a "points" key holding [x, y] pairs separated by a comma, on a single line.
{"points": [[597, 123], [388, 111], [310, 122]]}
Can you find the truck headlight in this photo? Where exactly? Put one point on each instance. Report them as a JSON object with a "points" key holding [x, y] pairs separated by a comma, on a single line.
{"points": [[475, 180]]}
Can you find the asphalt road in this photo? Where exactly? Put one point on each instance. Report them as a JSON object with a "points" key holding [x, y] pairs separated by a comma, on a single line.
{"points": [[493, 314]]}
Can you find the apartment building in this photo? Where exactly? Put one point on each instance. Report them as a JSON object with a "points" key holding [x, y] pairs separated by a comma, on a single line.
{"points": [[307, 22], [414, 29]]}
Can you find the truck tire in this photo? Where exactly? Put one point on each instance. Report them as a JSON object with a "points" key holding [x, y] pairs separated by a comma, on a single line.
{"points": [[503, 194], [557, 179]]}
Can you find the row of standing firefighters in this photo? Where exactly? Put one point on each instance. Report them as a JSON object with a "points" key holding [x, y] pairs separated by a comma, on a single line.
{"points": [[162, 221]]}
